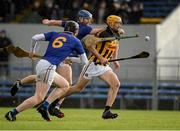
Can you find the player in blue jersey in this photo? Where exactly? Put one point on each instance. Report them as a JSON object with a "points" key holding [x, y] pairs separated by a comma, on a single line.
{"points": [[84, 20], [60, 46]]}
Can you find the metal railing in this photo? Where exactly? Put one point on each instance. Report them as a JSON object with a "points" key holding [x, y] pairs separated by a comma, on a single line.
{"points": [[168, 68]]}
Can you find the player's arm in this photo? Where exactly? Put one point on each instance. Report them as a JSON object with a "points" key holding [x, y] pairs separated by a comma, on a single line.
{"points": [[34, 43], [116, 50], [116, 63], [81, 59], [52, 22], [90, 45], [95, 31], [80, 51]]}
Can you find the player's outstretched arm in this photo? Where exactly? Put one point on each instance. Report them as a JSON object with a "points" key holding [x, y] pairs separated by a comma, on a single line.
{"points": [[94, 31], [82, 59], [52, 22], [116, 63]]}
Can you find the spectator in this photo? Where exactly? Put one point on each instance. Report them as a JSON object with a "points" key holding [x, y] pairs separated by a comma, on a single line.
{"points": [[101, 12], [130, 11], [74, 8], [34, 16], [55, 12], [7, 10], [62, 5], [126, 12], [4, 56], [137, 13]]}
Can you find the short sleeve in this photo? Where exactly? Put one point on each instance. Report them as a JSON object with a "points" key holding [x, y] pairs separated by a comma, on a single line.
{"points": [[89, 29], [79, 48], [63, 24]]}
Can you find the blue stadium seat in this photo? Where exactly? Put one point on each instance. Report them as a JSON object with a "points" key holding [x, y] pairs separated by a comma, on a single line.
{"points": [[136, 91]]}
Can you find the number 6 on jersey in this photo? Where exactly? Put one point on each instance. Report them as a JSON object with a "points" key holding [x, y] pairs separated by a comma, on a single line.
{"points": [[58, 42]]}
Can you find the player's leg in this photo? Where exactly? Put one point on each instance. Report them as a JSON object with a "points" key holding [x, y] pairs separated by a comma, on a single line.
{"points": [[84, 78], [64, 86], [41, 90], [45, 72], [78, 87], [81, 83], [19, 83], [65, 71], [111, 78]]}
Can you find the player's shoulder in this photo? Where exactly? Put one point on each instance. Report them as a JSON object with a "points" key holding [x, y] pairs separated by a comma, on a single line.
{"points": [[103, 33], [52, 33], [70, 36], [56, 33], [49, 35], [84, 26], [76, 39]]}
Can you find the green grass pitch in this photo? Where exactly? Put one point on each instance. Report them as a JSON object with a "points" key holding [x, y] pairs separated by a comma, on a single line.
{"points": [[90, 119]]}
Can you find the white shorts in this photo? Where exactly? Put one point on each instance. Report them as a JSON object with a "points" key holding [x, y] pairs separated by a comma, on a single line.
{"points": [[62, 64], [45, 71], [90, 70]]}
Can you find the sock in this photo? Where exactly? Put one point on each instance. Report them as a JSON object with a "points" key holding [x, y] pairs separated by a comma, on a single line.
{"points": [[58, 106], [46, 105], [5, 50], [20, 83], [55, 102], [107, 108], [14, 112]]}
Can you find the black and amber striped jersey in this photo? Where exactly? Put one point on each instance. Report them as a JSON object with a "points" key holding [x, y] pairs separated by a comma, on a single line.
{"points": [[106, 48]]}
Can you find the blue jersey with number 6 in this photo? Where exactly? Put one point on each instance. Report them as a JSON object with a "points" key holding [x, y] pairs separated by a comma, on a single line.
{"points": [[60, 46]]}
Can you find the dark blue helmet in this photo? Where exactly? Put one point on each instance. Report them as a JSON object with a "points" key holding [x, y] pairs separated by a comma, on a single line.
{"points": [[84, 14], [71, 26]]}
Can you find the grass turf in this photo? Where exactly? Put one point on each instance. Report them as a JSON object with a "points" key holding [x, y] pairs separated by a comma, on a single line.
{"points": [[90, 119]]}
